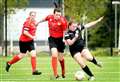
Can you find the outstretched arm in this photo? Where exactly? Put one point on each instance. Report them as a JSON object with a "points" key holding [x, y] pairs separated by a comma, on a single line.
{"points": [[88, 25], [40, 22]]}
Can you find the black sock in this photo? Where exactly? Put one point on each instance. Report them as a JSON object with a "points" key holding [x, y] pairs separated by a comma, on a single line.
{"points": [[87, 70], [94, 61]]}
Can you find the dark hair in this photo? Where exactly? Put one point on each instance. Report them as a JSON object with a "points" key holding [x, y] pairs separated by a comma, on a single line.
{"points": [[71, 22], [57, 10]]}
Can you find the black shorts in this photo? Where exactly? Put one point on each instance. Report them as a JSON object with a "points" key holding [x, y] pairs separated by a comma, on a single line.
{"points": [[76, 48], [26, 46], [57, 43]]}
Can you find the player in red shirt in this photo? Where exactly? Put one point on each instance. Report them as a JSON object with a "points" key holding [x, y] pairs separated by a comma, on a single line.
{"points": [[26, 43], [57, 25]]}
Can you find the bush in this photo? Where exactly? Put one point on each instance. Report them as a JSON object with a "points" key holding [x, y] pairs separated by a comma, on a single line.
{"points": [[101, 52]]}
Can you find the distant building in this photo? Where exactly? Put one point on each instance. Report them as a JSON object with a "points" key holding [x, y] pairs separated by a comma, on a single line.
{"points": [[15, 24], [15, 21]]}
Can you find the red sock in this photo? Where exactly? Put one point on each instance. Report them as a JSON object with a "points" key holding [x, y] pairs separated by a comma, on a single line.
{"points": [[33, 63], [54, 65], [62, 66], [14, 60]]}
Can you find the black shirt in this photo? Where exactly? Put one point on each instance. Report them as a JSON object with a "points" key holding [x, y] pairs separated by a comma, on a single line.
{"points": [[71, 34]]}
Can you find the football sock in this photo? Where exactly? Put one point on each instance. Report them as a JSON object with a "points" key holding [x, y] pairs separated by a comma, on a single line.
{"points": [[94, 61], [62, 66], [33, 63], [87, 70], [15, 59], [54, 65]]}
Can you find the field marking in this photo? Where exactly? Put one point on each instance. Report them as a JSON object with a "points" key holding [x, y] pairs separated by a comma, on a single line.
{"points": [[66, 73], [70, 79], [67, 68]]}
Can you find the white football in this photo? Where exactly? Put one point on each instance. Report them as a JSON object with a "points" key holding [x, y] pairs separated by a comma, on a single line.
{"points": [[79, 75]]}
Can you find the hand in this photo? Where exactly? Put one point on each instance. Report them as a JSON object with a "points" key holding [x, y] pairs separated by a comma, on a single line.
{"points": [[33, 37], [100, 18], [65, 42], [76, 35]]}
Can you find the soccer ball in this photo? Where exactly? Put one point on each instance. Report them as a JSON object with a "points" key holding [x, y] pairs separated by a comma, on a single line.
{"points": [[79, 75]]}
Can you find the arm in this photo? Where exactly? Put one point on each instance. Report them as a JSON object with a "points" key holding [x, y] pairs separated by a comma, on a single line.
{"points": [[40, 22], [26, 33], [71, 42], [43, 20], [64, 24], [65, 42], [93, 23]]}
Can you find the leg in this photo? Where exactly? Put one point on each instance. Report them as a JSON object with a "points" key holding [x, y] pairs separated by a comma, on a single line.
{"points": [[23, 50], [61, 60], [78, 58], [15, 59], [33, 63], [54, 53], [33, 60], [87, 55]]}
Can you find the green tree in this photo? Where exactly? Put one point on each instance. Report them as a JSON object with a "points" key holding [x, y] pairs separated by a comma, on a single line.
{"points": [[12, 5], [93, 9]]}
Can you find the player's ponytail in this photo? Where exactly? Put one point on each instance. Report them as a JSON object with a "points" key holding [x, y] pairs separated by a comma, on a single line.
{"points": [[55, 4]]}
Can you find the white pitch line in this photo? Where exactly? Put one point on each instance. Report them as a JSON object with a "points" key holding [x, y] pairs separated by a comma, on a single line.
{"points": [[72, 62], [46, 68], [102, 79], [66, 73]]}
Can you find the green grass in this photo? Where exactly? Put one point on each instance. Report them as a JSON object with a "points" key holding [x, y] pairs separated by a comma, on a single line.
{"points": [[21, 71]]}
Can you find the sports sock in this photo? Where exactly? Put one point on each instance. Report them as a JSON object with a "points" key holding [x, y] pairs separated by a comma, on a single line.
{"points": [[15, 59], [54, 65], [87, 70], [33, 63], [62, 66], [94, 61]]}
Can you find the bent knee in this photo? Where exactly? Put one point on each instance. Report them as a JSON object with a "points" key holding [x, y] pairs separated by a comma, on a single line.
{"points": [[21, 55], [54, 52]]}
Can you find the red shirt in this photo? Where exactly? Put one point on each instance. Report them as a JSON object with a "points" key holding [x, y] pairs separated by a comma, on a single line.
{"points": [[56, 27], [29, 26]]}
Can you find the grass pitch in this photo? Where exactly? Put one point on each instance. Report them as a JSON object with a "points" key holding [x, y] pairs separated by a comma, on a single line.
{"points": [[21, 71]]}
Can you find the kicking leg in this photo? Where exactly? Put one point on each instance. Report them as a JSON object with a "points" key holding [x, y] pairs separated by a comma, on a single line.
{"points": [[15, 59], [87, 55], [78, 58]]}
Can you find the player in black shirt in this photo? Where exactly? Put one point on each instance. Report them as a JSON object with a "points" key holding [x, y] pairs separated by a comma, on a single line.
{"points": [[74, 39]]}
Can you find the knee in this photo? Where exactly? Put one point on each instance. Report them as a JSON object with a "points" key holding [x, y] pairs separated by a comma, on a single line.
{"points": [[54, 55], [82, 65], [60, 57], [21, 55], [33, 53], [54, 52]]}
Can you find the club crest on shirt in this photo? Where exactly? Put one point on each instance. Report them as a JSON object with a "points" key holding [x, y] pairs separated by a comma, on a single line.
{"points": [[50, 20]]}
